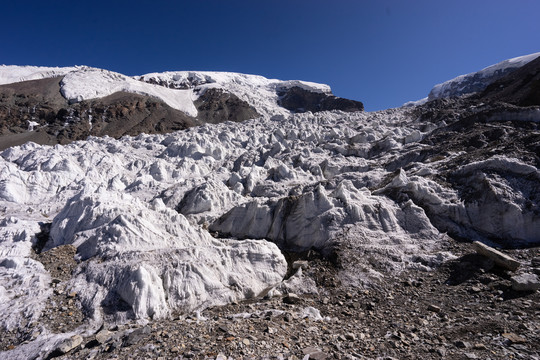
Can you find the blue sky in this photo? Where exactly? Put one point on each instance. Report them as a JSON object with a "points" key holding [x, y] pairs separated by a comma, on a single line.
{"points": [[383, 52]]}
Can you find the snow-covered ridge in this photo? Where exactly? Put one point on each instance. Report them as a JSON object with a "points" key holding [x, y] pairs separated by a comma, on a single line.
{"points": [[12, 73], [256, 90], [91, 83], [477, 81], [177, 89]]}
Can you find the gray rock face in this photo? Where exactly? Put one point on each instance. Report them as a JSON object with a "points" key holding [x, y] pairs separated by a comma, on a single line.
{"points": [[520, 87], [300, 100], [216, 106]]}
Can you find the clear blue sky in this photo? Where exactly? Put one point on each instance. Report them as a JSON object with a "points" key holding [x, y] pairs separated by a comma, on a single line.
{"points": [[382, 52]]}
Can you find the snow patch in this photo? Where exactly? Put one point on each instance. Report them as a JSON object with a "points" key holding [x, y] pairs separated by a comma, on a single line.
{"points": [[12, 73], [91, 83]]}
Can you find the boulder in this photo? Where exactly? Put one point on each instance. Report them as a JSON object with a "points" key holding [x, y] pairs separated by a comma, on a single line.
{"points": [[525, 282], [498, 257], [69, 344]]}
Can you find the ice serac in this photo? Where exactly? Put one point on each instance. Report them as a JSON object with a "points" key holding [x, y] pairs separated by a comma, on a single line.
{"points": [[479, 80], [151, 258], [318, 220], [24, 282], [492, 199]]}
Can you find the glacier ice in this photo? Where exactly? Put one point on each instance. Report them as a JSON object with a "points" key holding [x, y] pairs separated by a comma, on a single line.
{"points": [[196, 218]]}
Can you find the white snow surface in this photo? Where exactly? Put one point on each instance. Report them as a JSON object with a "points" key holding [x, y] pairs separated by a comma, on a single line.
{"points": [[422, 101], [91, 83], [12, 73], [477, 81]]}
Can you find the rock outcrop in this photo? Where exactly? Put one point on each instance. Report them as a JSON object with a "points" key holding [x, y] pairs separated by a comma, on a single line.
{"points": [[298, 99]]}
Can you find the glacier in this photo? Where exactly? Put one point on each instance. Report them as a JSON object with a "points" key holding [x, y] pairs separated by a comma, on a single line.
{"points": [[175, 223]]}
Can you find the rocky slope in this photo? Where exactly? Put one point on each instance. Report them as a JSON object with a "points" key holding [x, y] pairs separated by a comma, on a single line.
{"points": [[330, 234], [520, 87]]}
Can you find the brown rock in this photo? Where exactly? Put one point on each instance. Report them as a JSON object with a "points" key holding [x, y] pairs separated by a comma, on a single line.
{"points": [[514, 339]]}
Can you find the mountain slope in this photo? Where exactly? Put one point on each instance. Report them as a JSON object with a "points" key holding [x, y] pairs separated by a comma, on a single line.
{"points": [[67, 104], [520, 87], [477, 81]]}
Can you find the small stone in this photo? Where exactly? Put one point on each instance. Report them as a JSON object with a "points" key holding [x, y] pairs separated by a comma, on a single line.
{"points": [[314, 353], [519, 347], [476, 289], [434, 308], [514, 339], [103, 336], [246, 342], [441, 351], [223, 328], [325, 301], [462, 344], [292, 299], [72, 294], [69, 344], [480, 346], [350, 336], [471, 356], [526, 282], [288, 317], [175, 349], [300, 264], [137, 335]]}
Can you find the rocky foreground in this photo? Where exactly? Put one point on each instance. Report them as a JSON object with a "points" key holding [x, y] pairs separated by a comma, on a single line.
{"points": [[466, 309]]}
